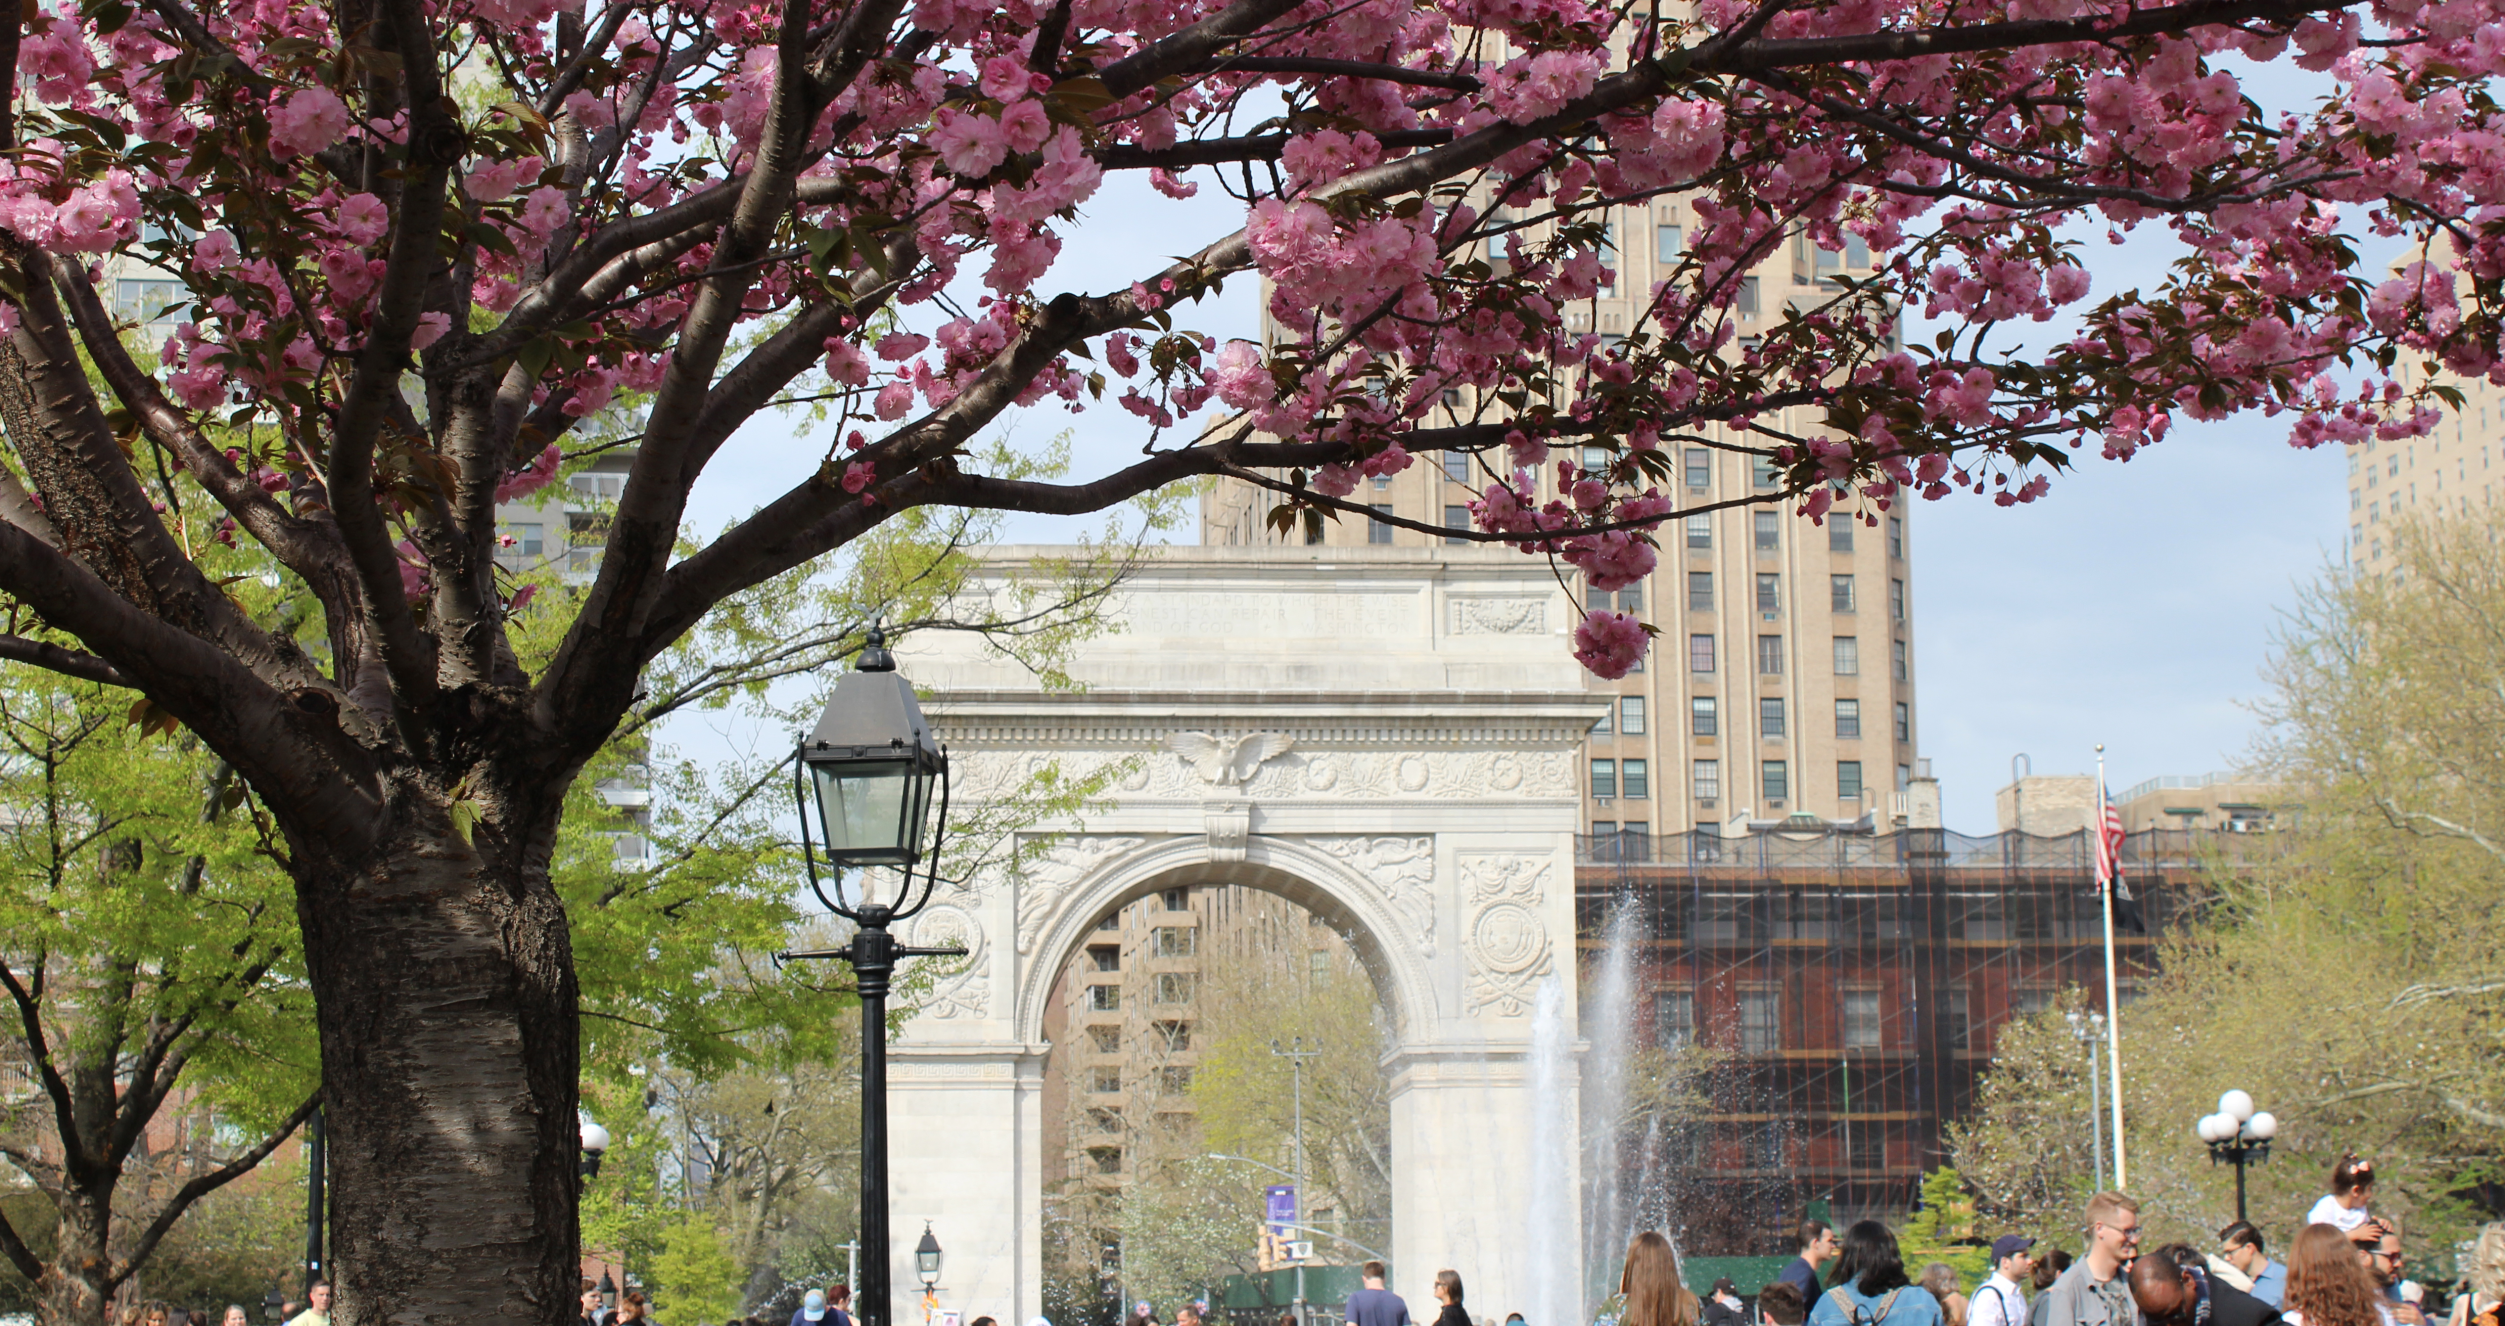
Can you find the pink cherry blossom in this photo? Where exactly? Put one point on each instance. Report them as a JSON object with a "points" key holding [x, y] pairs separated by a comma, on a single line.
{"points": [[1610, 644], [309, 120], [363, 219]]}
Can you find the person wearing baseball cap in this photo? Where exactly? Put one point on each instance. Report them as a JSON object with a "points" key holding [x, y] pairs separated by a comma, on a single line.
{"points": [[2002, 1301], [812, 1309]]}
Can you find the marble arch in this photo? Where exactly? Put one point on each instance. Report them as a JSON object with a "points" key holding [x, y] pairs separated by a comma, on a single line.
{"points": [[1389, 737]]}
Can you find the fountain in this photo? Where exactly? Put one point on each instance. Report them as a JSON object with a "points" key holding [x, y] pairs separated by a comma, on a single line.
{"points": [[1549, 1245], [1609, 1038], [1571, 1274]]}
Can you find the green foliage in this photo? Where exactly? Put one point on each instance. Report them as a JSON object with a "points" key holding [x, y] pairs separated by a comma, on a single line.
{"points": [[237, 1244], [696, 1280], [1945, 1228]]}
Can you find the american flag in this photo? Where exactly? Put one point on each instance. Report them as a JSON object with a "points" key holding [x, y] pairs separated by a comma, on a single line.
{"points": [[2108, 838]]}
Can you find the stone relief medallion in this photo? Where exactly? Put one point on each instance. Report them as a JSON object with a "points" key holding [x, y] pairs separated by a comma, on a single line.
{"points": [[1136, 779], [1402, 870], [1504, 773], [1413, 774], [1506, 941], [1321, 773], [963, 992], [1507, 616], [1043, 882]]}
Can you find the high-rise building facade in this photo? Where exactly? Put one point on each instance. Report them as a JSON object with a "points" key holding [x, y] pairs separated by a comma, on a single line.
{"points": [[2452, 471]]}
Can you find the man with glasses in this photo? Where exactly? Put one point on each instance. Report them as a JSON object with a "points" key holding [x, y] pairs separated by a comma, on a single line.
{"points": [[2243, 1250], [2172, 1289], [2092, 1292], [2379, 1246]]}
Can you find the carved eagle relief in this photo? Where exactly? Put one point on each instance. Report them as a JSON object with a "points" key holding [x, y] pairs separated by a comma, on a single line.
{"points": [[1228, 761]]}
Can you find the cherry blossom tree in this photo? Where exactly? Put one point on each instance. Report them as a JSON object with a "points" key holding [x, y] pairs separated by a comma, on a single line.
{"points": [[421, 239]]}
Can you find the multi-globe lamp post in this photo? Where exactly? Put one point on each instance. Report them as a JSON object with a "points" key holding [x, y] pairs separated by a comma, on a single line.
{"points": [[2238, 1134], [868, 770]]}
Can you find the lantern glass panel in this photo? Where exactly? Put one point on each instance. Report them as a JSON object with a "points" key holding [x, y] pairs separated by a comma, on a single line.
{"points": [[871, 810]]}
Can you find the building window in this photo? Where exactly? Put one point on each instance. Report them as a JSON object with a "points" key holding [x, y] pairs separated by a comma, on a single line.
{"points": [[1313, 534], [1896, 599], [1104, 1079], [1840, 593], [1848, 780], [1674, 1019], [1761, 1021], [1456, 463], [1904, 776], [1668, 243], [1174, 1079], [1777, 782], [1631, 715], [1700, 531], [1177, 900], [1861, 1019], [1770, 717], [1706, 775], [1701, 719], [1903, 662], [1769, 535], [1376, 530], [1768, 1145], [1956, 1023], [1104, 998], [1904, 721], [1595, 459], [144, 300], [1700, 591], [1700, 653], [1174, 987], [1847, 656], [1106, 957], [1107, 1040], [1839, 536], [1456, 518], [1769, 593], [1175, 941], [1762, 474], [1636, 777], [1699, 468], [1600, 726], [1631, 598], [1896, 537], [2034, 999], [1604, 778], [1108, 1159], [1747, 301], [1847, 720], [1176, 1035], [530, 539], [1770, 655]]}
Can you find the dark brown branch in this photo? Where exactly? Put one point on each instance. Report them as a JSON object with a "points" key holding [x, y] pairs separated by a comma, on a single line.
{"points": [[202, 1185], [1267, 147], [53, 658], [1756, 56], [1190, 48], [1302, 64]]}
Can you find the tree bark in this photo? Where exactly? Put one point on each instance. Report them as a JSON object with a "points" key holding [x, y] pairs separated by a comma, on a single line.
{"points": [[75, 1293], [447, 994]]}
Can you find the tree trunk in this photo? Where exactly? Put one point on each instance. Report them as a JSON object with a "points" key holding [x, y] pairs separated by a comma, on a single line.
{"points": [[74, 1290], [445, 986]]}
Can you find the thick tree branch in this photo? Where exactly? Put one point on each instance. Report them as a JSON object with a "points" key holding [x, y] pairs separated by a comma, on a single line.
{"points": [[1304, 64], [1267, 147], [1191, 47], [1799, 52], [53, 658]]}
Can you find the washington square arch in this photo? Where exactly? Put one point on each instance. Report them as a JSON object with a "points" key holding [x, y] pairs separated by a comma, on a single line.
{"points": [[1386, 737]]}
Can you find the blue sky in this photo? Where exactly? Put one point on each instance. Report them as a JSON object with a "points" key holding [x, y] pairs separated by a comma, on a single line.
{"points": [[2133, 605]]}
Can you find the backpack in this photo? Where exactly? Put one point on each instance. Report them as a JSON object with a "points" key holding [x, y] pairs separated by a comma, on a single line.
{"points": [[1857, 1315]]}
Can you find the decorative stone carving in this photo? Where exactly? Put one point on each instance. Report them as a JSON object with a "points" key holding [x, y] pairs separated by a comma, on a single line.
{"points": [[1505, 939], [1511, 616], [1043, 881], [1402, 868], [1228, 761], [1229, 825], [962, 990]]}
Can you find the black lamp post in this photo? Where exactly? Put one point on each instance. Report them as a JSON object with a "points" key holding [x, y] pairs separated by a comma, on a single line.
{"points": [[608, 1292], [272, 1304], [2236, 1133], [593, 1143], [870, 767]]}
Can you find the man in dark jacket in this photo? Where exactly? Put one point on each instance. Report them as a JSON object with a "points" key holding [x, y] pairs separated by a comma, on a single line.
{"points": [[2173, 1288], [1722, 1305]]}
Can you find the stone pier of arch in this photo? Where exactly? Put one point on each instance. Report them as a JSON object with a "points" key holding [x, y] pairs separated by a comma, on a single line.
{"points": [[1389, 738]]}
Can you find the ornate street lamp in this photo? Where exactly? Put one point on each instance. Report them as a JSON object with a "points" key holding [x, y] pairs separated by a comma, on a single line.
{"points": [[2239, 1134], [870, 767], [926, 1259], [273, 1304], [591, 1145], [608, 1292]]}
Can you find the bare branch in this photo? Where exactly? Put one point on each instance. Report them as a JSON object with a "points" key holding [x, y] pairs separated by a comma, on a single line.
{"points": [[67, 662], [202, 1185]]}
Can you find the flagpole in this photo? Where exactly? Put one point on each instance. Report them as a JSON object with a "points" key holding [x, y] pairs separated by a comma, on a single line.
{"points": [[2113, 1008]]}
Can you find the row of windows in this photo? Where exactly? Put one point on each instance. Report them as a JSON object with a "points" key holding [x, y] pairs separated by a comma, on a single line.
{"points": [[1170, 1035], [1847, 655], [1168, 987], [1705, 718], [1766, 532], [1861, 1020], [1106, 1079], [1841, 594], [1633, 779]]}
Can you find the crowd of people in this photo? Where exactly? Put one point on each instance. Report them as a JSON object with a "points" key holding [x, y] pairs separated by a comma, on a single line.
{"points": [[2345, 1267]]}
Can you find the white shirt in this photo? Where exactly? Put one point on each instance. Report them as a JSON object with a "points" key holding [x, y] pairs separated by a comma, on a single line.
{"points": [[2000, 1302], [2328, 1211]]}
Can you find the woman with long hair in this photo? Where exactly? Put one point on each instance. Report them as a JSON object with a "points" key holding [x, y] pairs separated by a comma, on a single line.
{"points": [[2483, 1302], [1870, 1288], [2352, 1191], [1448, 1293], [1650, 1285], [2327, 1285]]}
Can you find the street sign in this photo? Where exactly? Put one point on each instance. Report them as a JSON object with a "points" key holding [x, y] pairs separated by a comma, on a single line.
{"points": [[1300, 1250], [1280, 1203]]}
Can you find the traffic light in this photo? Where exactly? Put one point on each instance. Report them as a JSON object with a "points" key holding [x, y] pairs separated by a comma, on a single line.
{"points": [[1266, 1256]]}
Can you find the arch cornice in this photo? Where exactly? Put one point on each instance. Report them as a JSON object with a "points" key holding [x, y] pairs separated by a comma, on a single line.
{"points": [[1313, 879]]}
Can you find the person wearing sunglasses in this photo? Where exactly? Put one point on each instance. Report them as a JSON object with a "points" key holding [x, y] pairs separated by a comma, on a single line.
{"points": [[2091, 1292], [2173, 1288]]}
